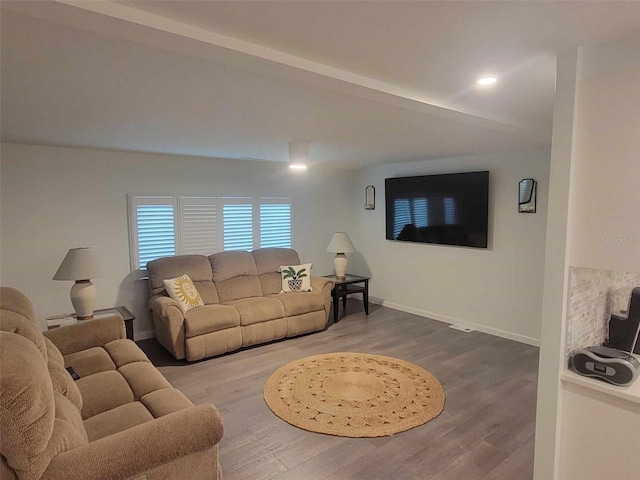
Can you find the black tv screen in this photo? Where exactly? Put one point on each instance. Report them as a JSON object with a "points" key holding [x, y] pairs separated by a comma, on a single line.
{"points": [[450, 209]]}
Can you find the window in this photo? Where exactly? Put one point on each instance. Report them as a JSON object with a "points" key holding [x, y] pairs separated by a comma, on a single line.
{"points": [[162, 226], [275, 222], [237, 224], [154, 231]]}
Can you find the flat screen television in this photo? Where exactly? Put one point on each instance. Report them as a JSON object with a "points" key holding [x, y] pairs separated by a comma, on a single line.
{"points": [[449, 209]]}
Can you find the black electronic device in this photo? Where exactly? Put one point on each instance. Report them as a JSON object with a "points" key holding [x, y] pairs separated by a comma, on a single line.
{"points": [[614, 366], [624, 326], [449, 209]]}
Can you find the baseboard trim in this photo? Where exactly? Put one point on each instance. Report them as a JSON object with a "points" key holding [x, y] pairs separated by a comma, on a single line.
{"points": [[446, 319]]}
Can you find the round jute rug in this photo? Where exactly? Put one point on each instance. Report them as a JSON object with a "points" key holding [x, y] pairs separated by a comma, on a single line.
{"points": [[354, 394]]}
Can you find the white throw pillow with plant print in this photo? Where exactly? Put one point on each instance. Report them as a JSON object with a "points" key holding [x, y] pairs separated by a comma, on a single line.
{"points": [[183, 291], [296, 278]]}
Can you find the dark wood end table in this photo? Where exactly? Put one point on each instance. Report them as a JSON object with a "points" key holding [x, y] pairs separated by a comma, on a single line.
{"points": [[71, 318], [347, 286]]}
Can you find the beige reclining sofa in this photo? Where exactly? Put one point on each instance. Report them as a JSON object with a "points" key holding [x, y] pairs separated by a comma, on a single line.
{"points": [[242, 302], [120, 420]]}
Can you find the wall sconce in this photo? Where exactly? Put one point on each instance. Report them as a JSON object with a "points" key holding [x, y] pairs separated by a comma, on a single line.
{"points": [[370, 198], [527, 195]]}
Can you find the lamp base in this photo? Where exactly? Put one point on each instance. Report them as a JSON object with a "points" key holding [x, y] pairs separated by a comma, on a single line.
{"points": [[83, 299], [340, 265]]}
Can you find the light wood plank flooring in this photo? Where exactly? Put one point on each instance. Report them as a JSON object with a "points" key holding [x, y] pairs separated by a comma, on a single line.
{"points": [[486, 430]]}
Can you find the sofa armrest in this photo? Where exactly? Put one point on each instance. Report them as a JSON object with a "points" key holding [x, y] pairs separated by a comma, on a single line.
{"points": [[324, 287], [168, 320], [131, 452], [86, 334], [165, 306]]}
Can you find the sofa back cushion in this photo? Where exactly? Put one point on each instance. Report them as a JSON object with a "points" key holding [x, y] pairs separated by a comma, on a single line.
{"points": [[60, 378], [16, 316], [268, 262], [235, 275], [196, 266], [36, 424]]}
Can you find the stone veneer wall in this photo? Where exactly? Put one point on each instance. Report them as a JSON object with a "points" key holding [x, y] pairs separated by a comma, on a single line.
{"points": [[589, 308]]}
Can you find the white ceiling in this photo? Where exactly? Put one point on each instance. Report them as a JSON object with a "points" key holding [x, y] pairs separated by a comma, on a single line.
{"points": [[364, 82]]}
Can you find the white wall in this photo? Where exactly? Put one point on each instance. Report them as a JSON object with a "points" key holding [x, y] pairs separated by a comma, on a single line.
{"points": [[594, 198], [54, 199], [605, 219], [497, 290], [603, 233]]}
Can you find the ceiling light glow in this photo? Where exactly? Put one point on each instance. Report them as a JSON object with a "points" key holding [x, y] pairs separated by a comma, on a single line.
{"points": [[297, 166], [489, 80]]}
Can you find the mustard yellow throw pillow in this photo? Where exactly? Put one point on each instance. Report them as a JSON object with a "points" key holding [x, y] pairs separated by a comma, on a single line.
{"points": [[183, 291]]}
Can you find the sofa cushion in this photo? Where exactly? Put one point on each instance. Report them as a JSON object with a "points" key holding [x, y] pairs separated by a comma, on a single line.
{"points": [[64, 384], [197, 267], [116, 420], [297, 303], [15, 301], [60, 378], [257, 310], [238, 287], [26, 405], [103, 391], [16, 323], [54, 357], [165, 401], [210, 318], [89, 362], [226, 265], [123, 351], [183, 291], [268, 261], [66, 411], [143, 378]]}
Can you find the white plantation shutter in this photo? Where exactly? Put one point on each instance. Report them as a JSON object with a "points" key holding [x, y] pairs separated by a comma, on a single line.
{"points": [[237, 218], [152, 228], [275, 223], [199, 225], [163, 226]]}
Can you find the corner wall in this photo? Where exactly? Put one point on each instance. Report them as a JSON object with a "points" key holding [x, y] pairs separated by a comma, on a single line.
{"points": [[55, 198], [496, 290]]}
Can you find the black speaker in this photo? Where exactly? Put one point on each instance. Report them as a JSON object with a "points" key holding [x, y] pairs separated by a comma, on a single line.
{"points": [[611, 365]]}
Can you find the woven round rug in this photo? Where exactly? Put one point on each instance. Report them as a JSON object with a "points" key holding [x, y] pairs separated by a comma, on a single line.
{"points": [[354, 394]]}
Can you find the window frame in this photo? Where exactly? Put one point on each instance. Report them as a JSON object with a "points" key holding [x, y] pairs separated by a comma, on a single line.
{"points": [[178, 203]]}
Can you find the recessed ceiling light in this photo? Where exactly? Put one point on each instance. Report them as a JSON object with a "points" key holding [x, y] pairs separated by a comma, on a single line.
{"points": [[489, 80], [297, 166]]}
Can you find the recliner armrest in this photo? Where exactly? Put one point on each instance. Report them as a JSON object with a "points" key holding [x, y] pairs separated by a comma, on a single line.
{"points": [[318, 284], [133, 451], [87, 334], [165, 306]]}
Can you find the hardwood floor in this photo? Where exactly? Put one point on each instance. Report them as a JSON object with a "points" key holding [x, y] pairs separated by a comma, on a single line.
{"points": [[486, 430]]}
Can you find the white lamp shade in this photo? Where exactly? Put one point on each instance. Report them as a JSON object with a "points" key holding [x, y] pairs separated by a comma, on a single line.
{"points": [[340, 243], [78, 264]]}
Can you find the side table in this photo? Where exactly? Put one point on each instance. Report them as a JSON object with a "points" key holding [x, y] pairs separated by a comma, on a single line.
{"points": [[71, 318], [347, 286]]}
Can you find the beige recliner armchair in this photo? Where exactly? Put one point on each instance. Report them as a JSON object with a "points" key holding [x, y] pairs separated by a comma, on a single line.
{"points": [[120, 420]]}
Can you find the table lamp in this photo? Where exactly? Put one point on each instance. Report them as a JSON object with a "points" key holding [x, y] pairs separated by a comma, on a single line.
{"points": [[80, 265], [340, 244]]}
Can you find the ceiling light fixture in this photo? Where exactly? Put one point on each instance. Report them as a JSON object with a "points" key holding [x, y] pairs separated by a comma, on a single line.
{"points": [[297, 166], [298, 155], [488, 80]]}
